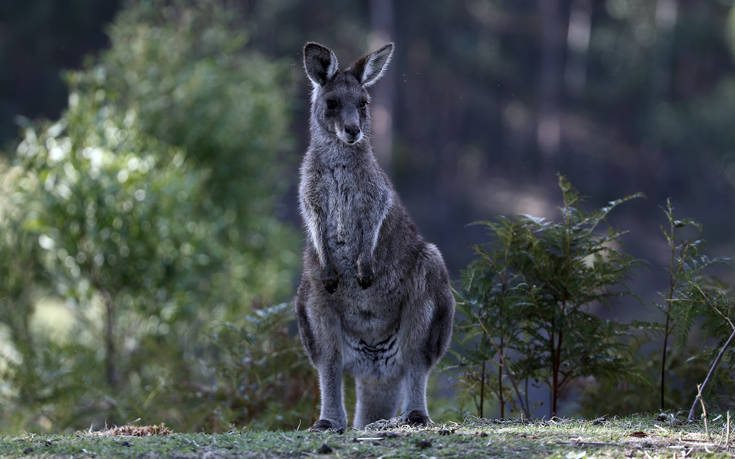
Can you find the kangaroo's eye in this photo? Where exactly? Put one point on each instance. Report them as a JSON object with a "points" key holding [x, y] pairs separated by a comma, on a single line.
{"points": [[332, 104], [363, 103]]}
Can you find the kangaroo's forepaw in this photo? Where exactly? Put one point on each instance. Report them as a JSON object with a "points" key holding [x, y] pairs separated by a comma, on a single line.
{"points": [[330, 279], [364, 273], [417, 418], [330, 284], [365, 281], [324, 425]]}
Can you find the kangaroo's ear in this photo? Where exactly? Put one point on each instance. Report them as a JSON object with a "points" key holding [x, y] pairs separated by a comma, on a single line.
{"points": [[320, 63], [369, 68]]}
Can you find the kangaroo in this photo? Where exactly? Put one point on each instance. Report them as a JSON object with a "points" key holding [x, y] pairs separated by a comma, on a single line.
{"points": [[374, 298]]}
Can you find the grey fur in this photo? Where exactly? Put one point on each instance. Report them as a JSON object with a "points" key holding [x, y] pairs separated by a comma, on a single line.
{"points": [[374, 297]]}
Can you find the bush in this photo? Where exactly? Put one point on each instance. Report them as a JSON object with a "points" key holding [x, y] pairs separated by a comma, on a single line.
{"points": [[262, 377], [145, 215], [528, 297], [527, 307], [698, 313]]}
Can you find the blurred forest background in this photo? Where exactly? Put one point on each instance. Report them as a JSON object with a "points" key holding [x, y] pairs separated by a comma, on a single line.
{"points": [[149, 232]]}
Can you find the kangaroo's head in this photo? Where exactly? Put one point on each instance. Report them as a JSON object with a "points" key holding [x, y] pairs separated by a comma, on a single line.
{"points": [[339, 103]]}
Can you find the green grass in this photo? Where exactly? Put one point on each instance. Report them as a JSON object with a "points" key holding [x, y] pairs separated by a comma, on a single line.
{"points": [[567, 438]]}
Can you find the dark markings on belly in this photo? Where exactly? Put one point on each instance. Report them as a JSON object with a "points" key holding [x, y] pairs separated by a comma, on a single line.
{"points": [[384, 350]]}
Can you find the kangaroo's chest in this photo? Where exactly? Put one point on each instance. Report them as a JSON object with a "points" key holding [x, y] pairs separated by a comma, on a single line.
{"points": [[353, 198], [345, 202]]}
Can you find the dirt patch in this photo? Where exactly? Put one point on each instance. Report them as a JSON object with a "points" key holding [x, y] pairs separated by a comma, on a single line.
{"points": [[132, 431]]}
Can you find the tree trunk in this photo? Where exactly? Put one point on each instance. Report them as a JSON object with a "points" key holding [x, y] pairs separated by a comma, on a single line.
{"points": [[500, 379], [669, 298], [557, 384], [383, 31], [548, 123], [21, 337], [480, 409], [552, 395], [554, 382], [666, 15], [709, 374], [653, 162], [579, 32], [663, 361], [110, 349]]}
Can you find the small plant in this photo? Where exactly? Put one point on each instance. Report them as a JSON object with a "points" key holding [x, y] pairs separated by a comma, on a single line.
{"points": [[261, 376], [491, 300], [529, 298], [691, 293], [694, 302], [721, 301]]}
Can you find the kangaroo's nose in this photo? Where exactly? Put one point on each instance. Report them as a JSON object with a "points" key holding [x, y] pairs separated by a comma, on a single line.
{"points": [[352, 130]]}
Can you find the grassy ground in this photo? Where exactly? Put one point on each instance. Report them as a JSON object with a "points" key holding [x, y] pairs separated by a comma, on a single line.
{"points": [[617, 437]]}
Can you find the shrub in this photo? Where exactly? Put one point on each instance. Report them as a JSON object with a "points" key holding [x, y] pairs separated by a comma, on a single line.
{"points": [[693, 295], [698, 309], [528, 298], [262, 378]]}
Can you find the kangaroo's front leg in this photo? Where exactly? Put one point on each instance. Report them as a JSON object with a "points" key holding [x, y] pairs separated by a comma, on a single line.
{"points": [[365, 265], [329, 275], [316, 216], [369, 231]]}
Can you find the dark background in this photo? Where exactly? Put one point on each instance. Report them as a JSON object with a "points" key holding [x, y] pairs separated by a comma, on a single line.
{"points": [[487, 100]]}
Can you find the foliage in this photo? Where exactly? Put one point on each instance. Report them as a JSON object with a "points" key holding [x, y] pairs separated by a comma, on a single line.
{"points": [[695, 303], [691, 293], [187, 73], [119, 240], [190, 77], [529, 298], [492, 300], [141, 235], [262, 377], [19, 269]]}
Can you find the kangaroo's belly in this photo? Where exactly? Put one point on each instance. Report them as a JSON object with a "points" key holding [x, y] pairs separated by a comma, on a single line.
{"points": [[370, 339], [380, 359]]}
